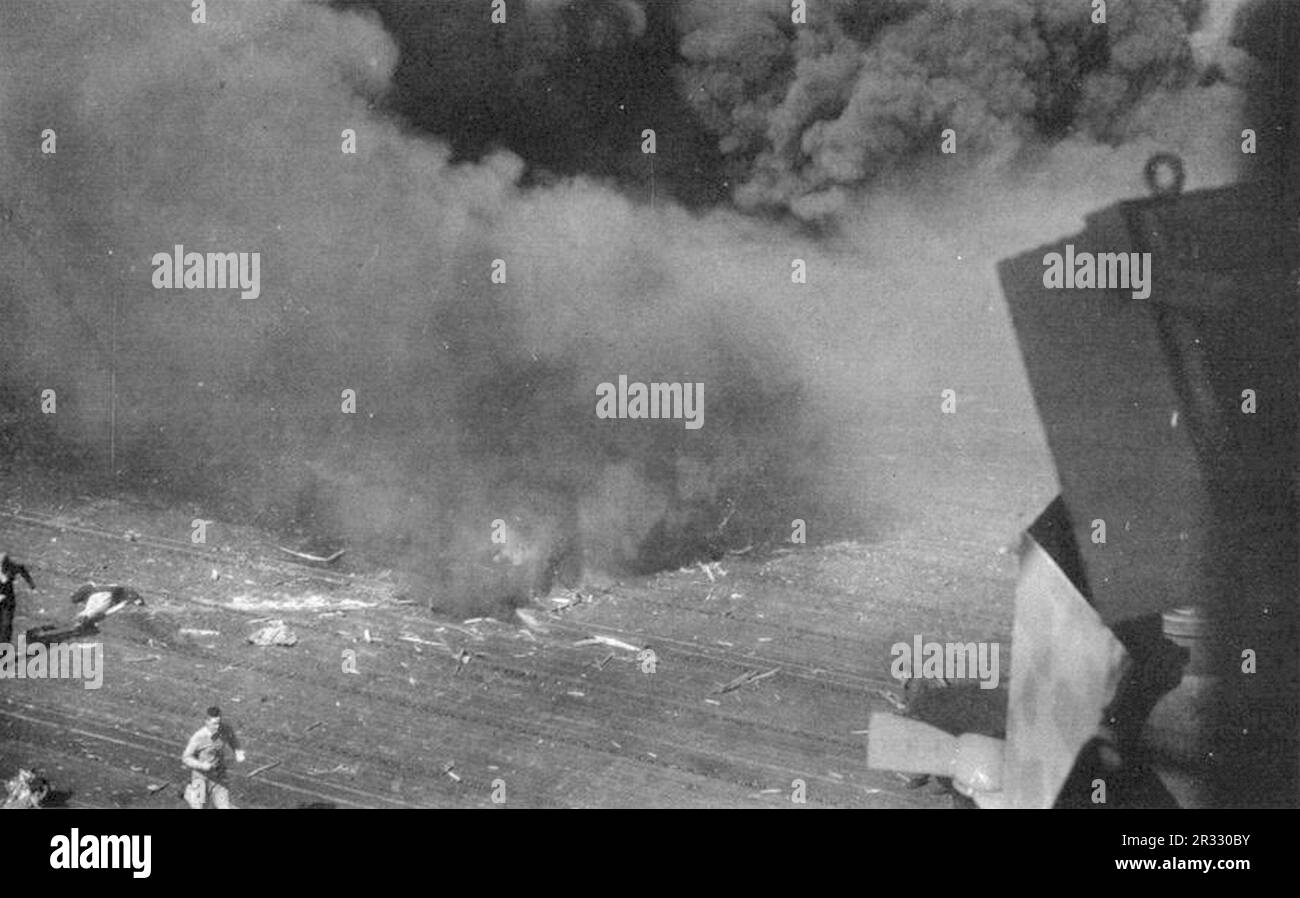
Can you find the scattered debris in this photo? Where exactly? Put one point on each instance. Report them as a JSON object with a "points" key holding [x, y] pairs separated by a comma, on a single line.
{"points": [[530, 621], [609, 641], [155, 788], [275, 633], [749, 676], [329, 559], [350, 770], [468, 632], [215, 575], [892, 698], [25, 791], [282, 602], [411, 637], [132, 536], [711, 568], [464, 657], [264, 768], [449, 769], [567, 600]]}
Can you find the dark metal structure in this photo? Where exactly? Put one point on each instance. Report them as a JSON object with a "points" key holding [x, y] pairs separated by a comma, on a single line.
{"points": [[1175, 420]]}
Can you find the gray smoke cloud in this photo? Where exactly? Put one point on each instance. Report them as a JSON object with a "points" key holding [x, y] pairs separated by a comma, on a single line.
{"points": [[476, 401]]}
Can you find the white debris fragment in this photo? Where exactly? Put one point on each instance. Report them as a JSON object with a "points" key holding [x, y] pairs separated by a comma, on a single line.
{"points": [[327, 559], [411, 637], [531, 620], [274, 633], [609, 641], [712, 570], [281, 601]]}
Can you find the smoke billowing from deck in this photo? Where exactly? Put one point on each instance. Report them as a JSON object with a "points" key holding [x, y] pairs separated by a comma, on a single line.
{"points": [[475, 401]]}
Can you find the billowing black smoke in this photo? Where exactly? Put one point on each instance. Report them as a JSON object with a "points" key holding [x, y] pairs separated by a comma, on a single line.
{"points": [[784, 115], [816, 110], [521, 143], [568, 86]]}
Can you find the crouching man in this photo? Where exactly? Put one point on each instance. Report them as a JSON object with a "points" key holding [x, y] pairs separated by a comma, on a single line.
{"points": [[205, 755]]}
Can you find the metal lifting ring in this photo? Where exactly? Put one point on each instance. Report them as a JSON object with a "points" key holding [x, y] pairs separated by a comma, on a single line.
{"points": [[1165, 162]]}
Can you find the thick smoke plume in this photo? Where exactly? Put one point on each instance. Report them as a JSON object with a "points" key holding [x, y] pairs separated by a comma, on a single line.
{"points": [[475, 401], [813, 112], [784, 116]]}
